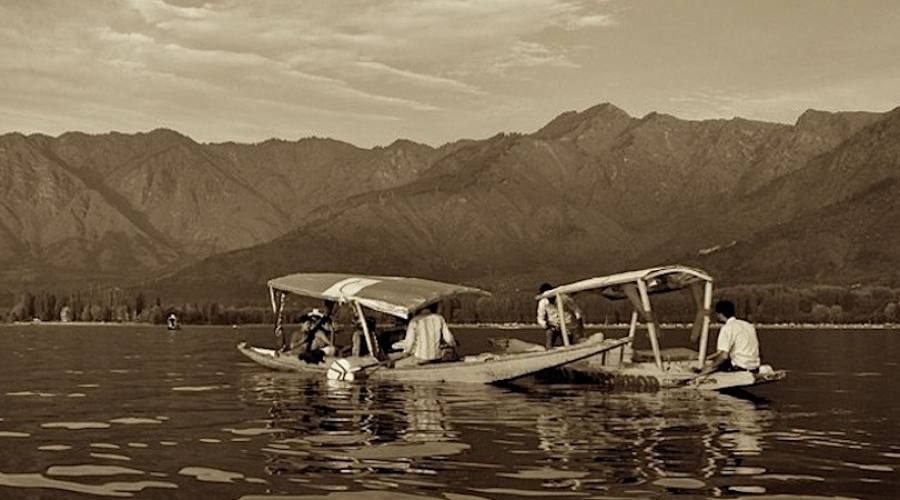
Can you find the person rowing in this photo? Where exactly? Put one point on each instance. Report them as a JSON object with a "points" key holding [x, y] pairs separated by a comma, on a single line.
{"points": [[311, 342], [737, 347]]}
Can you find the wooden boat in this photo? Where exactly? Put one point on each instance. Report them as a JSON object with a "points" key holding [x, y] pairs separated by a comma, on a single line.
{"points": [[401, 297], [657, 368], [481, 369]]}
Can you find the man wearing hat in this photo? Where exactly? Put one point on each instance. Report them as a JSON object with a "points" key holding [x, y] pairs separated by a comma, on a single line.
{"points": [[314, 339]]}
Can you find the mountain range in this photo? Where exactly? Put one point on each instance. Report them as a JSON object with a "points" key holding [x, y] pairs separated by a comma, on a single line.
{"points": [[591, 192]]}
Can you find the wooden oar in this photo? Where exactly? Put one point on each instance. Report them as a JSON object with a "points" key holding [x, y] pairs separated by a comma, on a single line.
{"points": [[692, 380], [344, 369]]}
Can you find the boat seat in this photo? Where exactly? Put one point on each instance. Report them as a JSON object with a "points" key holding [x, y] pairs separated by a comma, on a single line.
{"points": [[671, 354]]}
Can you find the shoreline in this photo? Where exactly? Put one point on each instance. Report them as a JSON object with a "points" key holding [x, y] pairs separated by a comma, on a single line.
{"points": [[687, 326], [492, 326]]}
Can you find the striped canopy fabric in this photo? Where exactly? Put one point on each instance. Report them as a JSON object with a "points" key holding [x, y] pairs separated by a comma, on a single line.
{"points": [[658, 280], [392, 295]]}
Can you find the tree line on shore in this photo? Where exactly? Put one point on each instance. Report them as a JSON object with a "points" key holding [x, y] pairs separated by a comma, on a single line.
{"points": [[758, 303]]}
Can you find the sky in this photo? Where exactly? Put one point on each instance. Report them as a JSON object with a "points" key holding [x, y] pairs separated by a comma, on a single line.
{"points": [[433, 71]]}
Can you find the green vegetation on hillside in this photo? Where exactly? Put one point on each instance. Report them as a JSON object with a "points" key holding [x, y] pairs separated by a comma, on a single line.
{"points": [[759, 303]]}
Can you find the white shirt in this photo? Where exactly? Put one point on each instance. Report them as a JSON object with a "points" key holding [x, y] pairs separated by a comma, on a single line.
{"points": [[548, 314], [738, 339], [424, 335]]}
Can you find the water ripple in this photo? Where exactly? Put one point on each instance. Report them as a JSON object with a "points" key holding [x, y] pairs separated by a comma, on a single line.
{"points": [[75, 425], [113, 489], [14, 434], [211, 475], [91, 470]]}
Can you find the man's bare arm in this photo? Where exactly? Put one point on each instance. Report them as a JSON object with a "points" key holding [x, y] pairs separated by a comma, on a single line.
{"points": [[713, 362]]}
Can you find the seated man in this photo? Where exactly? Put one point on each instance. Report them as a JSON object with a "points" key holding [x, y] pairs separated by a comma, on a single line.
{"points": [[737, 347], [428, 338], [312, 341], [359, 346], [548, 317]]}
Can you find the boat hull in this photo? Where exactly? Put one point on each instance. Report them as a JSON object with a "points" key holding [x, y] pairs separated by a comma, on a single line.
{"points": [[482, 369], [647, 377], [611, 369], [274, 360]]}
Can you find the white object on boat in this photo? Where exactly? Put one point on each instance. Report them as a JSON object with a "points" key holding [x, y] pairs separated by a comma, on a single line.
{"points": [[340, 369]]}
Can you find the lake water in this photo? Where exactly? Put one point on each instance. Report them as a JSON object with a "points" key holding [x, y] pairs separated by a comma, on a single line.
{"points": [[113, 411]]}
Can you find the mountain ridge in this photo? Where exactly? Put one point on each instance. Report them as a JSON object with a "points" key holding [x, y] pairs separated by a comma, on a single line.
{"points": [[589, 192], [424, 227]]}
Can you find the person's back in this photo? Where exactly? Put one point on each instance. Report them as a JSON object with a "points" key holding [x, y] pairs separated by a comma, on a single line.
{"points": [[737, 347], [424, 335], [429, 330], [738, 338]]}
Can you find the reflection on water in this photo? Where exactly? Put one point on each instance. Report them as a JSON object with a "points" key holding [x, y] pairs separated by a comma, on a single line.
{"points": [[166, 420]]}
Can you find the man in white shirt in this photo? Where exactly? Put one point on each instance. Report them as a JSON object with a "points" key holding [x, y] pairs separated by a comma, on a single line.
{"points": [[548, 317], [737, 347], [424, 337]]}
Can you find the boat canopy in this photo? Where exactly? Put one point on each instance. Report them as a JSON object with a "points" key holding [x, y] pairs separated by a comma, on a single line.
{"points": [[637, 286], [392, 295], [658, 280]]}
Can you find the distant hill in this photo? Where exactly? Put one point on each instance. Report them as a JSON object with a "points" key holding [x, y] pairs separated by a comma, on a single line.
{"points": [[593, 192], [118, 208], [831, 221]]}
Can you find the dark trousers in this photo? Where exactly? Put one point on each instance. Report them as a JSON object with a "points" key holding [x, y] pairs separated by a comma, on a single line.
{"points": [[554, 335], [728, 366], [315, 357]]}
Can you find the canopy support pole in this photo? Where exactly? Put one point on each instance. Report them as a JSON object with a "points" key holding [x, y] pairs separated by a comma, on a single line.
{"points": [[279, 309], [562, 320], [697, 295], [704, 330], [370, 342], [651, 322], [632, 329]]}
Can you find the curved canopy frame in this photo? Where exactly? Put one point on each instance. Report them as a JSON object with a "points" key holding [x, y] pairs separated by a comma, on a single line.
{"points": [[394, 295], [657, 279]]}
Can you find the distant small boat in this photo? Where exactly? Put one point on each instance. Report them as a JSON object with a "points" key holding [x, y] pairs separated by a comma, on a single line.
{"points": [[401, 297], [656, 368], [172, 322]]}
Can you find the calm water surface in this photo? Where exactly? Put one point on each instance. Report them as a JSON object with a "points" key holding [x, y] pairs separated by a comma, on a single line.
{"points": [[111, 411]]}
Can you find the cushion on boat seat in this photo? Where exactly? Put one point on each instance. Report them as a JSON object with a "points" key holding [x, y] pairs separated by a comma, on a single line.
{"points": [[671, 354]]}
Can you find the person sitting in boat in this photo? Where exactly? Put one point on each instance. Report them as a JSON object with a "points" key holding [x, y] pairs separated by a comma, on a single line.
{"points": [[428, 339], [548, 317], [312, 341], [359, 346], [737, 347]]}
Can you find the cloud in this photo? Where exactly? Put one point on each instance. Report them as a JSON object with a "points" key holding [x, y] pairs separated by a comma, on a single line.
{"points": [[338, 62], [107, 34], [155, 11], [420, 78], [591, 21], [529, 55], [780, 105]]}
